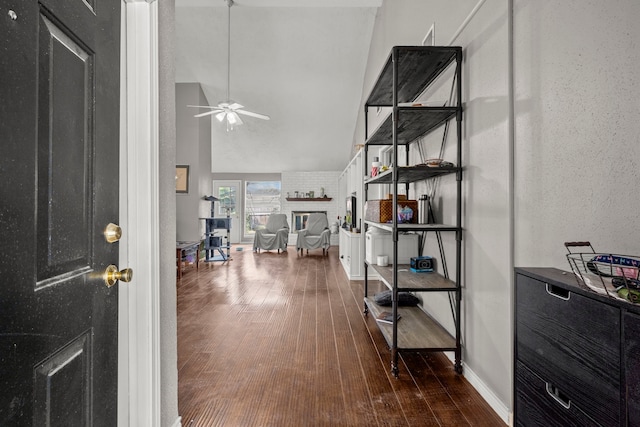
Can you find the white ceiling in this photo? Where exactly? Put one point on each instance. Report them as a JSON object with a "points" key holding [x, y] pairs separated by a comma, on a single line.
{"points": [[301, 62]]}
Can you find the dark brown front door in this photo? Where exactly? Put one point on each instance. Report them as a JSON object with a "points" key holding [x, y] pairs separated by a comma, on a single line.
{"points": [[59, 139]]}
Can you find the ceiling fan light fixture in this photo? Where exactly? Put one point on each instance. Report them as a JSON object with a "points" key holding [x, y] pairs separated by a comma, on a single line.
{"points": [[233, 118], [228, 110]]}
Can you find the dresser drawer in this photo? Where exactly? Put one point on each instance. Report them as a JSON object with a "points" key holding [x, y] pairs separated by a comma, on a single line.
{"points": [[539, 403], [632, 366], [573, 343]]}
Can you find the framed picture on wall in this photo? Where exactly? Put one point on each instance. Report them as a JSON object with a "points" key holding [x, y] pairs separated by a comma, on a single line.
{"points": [[182, 178]]}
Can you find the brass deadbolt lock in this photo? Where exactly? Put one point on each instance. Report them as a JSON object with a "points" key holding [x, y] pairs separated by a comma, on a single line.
{"points": [[112, 233]]}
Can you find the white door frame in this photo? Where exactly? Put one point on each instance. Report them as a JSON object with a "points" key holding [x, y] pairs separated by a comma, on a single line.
{"points": [[139, 324], [237, 224]]}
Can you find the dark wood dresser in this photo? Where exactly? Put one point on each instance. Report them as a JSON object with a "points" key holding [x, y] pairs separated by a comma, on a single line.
{"points": [[576, 355]]}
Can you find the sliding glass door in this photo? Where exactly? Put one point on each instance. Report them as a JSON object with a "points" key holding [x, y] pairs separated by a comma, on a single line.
{"points": [[262, 198]]}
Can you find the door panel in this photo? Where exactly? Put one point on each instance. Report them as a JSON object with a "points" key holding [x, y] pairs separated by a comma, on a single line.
{"points": [[59, 121], [230, 201], [63, 386], [64, 155]]}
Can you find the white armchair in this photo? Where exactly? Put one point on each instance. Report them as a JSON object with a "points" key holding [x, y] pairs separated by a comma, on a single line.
{"points": [[274, 236], [316, 234]]}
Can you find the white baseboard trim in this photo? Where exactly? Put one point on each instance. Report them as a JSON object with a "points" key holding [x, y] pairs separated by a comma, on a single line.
{"points": [[487, 394], [178, 422]]}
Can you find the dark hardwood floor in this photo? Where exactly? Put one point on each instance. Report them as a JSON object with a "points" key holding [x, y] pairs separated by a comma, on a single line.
{"points": [[274, 339]]}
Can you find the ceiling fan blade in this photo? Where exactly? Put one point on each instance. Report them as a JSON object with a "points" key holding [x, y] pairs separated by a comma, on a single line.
{"points": [[207, 113], [235, 106], [256, 115], [201, 106]]}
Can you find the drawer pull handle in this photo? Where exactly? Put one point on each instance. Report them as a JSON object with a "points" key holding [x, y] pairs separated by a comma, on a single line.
{"points": [[556, 395], [557, 292]]}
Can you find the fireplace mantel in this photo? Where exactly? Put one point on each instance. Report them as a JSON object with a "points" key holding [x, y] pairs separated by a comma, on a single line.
{"points": [[309, 199]]}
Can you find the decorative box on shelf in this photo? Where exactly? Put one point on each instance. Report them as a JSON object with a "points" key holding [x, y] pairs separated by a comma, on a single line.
{"points": [[382, 210]]}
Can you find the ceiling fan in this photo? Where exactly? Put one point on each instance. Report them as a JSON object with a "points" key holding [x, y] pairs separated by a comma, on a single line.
{"points": [[228, 111]]}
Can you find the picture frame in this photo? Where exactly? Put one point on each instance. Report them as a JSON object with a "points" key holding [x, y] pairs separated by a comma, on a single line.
{"points": [[182, 178]]}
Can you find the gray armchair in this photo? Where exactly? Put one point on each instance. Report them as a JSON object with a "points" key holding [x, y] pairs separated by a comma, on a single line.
{"points": [[274, 236], [316, 234]]}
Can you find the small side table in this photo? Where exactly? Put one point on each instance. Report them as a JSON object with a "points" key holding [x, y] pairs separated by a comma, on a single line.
{"points": [[187, 252]]}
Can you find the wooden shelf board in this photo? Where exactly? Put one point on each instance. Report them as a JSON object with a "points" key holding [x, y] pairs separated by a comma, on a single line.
{"points": [[413, 227], [416, 329], [410, 281], [408, 174], [413, 122], [418, 66]]}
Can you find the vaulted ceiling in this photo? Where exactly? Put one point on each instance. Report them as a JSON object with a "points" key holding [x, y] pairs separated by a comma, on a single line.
{"points": [[302, 62]]}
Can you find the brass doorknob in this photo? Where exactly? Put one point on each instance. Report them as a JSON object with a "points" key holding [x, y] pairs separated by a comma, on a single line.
{"points": [[112, 233], [112, 275]]}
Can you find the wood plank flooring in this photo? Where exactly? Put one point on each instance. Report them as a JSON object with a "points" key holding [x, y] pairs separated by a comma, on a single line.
{"points": [[274, 339]]}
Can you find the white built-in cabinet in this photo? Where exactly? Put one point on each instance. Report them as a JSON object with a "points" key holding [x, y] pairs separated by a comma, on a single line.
{"points": [[351, 255], [351, 183]]}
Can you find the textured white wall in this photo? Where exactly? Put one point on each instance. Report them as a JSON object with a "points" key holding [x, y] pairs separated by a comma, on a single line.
{"points": [[575, 158], [577, 162], [168, 388], [486, 272], [405, 23]]}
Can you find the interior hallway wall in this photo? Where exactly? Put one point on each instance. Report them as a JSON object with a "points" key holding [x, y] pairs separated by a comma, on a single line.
{"points": [[576, 148], [486, 272], [576, 107], [193, 136], [168, 388]]}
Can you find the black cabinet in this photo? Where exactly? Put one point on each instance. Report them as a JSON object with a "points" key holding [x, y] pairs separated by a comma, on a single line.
{"points": [[631, 323], [539, 403], [577, 353]]}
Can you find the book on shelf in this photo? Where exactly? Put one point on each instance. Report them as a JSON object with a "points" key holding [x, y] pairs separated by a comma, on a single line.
{"points": [[386, 317]]}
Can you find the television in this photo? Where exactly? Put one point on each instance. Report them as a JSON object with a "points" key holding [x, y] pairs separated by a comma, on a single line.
{"points": [[350, 212]]}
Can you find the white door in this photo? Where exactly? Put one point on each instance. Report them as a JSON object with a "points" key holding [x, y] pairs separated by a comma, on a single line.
{"points": [[229, 193]]}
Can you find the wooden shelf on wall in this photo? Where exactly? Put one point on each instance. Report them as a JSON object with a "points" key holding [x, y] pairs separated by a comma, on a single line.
{"points": [[309, 199]]}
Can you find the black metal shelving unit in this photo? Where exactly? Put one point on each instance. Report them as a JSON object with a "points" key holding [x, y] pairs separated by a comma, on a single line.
{"points": [[407, 73], [214, 247]]}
